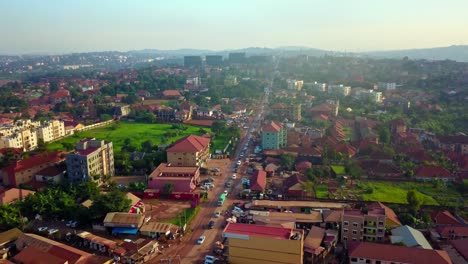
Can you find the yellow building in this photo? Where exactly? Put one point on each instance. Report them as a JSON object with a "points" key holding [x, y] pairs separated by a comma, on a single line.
{"points": [[51, 130], [189, 151], [258, 244]]}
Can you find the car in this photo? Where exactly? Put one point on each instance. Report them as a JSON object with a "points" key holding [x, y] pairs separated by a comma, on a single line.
{"points": [[53, 231], [42, 229], [225, 192], [72, 223], [234, 176], [201, 239], [211, 224], [210, 179], [217, 214]]}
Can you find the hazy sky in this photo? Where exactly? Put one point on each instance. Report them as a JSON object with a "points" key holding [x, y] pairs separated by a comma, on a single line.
{"points": [[345, 25]]}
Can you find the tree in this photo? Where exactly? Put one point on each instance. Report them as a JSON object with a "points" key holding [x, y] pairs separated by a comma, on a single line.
{"points": [[218, 126], [287, 160], [113, 201], [54, 87], [384, 134], [9, 216], [147, 146], [414, 200], [105, 117], [168, 189]]}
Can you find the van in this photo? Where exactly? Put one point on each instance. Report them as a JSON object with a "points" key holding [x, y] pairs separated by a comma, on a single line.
{"points": [[209, 185]]}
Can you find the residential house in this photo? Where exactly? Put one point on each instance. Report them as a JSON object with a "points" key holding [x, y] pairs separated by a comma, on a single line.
{"points": [[458, 144], [72, 126], [274, 136], [138, 251], [23, 171], [143, 93], [363, 225], [92, 158], [391, 220], [409, 237], [185, 179], [444, 218], [172, 95], [122, 110], [165, 113], [8, 237], [183, 115], [294, 186], [263, 244], [14, 194], [189, 151], [97, 243], [430, 173], [457, 250], [33, 247], [375, 253], [446, 233], [318, 243], [204, 112], [62, 95], [326, 109]]}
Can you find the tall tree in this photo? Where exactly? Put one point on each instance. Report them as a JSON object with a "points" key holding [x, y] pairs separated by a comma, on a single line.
{"points": [[414, 200]]}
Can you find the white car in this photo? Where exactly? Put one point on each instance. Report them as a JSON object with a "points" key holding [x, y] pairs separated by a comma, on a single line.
{"points": [[42, 228], [53, 231], [234, 177], [225, 192], [201, 239]]}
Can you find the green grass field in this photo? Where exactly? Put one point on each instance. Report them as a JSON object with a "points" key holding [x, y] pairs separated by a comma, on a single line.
{"points": [[137, 132], [395, 192], [321, 191], [339, 170]]}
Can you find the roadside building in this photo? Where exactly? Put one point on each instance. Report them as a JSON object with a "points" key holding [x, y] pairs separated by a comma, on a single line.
{"points": [[51, 130], [258, 181], [274, 136], [185, 179], [430, 173], [138, 251], [123, 223], [156, 229], [263, 244], [189, 151], [91, 160], [98, 243]]}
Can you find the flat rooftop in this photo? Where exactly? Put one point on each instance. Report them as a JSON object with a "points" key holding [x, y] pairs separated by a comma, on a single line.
{"points": [[304, 204]]}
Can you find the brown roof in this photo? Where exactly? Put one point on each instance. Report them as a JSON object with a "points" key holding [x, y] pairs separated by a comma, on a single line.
{"points": [[444, 218], [433, 172], [50, 171], [9, 236], [332, 216], [446, 231], [272, 127], [127, 219], [314, 239], [97, 239], [171, 93], [453, 139], [167, 170], [14, 194], [461, 245], [391, 253], [190, 143], [33, 255], [158, 227], [389, 213], [258, 181]]}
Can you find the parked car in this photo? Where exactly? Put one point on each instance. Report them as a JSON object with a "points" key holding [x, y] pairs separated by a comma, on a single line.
{"points": [[217, 214], [234, 176], [42, 229], [71, 223], [201, 239], [211, 224], [53, 231]]}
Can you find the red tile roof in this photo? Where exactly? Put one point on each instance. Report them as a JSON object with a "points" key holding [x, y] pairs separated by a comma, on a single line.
{"points": [[36, 160], [446, 231], [272, 127], [15, 151], [433, 172], [389, 213], [258, 181], [303, 165], [14, 194], [461, 245], [444, 218], [33, 255], [391, 253], [257, 230], [190, 144], [171, 93], [453, 139]]}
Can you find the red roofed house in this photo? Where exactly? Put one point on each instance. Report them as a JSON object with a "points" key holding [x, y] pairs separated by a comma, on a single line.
{"points": [[189, 151], [373, 253], [61, 95], [303, 166], [294, 186], [429, 173], [23, 171], [458, 144], [172, 94], [264, 244], [14, 194], [444, 218], [185, 179], [258, 181], [445, 233], [392, 219]]}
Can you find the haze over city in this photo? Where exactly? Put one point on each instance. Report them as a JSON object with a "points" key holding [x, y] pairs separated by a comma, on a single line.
{"points": [[79, 26]]}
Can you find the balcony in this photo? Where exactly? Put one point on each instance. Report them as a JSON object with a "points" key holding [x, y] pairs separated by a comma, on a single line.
{"points": [[372, 232]]}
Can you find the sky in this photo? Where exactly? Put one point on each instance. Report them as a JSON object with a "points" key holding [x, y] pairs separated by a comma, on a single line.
{"points": [[62, 26]]}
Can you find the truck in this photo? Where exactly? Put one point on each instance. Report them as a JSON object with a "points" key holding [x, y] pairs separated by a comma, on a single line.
{"points": [[221, 199]]}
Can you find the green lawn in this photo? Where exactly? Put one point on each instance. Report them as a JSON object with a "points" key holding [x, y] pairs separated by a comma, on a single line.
{"points": [[219, 143], [339, 170], [395, 192], [188, 216], [137, 132], [321, 191]]}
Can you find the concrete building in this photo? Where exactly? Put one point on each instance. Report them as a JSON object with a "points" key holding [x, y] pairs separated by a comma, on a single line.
{"points": [[339, 89], [214, 60], [185, 179], [363, 225], [274, 136], [51, 130], [91, 158], [231, 81], [386, 86], [410, 237], [189, 151], [22, 134], [263, 244], [192, 61], [295, 84], [122, 110], [237, 57]]}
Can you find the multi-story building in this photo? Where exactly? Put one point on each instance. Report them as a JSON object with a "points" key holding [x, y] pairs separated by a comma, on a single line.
{"points": [[189, 151], [51, 130], [263, 244], [214, 60], [386, 86], [274, 136], [290, 112], [237, 57], [22, 134], [192, 61], [458, 144], [92, 158], [295, 84], [339, 89], [363, 225]]}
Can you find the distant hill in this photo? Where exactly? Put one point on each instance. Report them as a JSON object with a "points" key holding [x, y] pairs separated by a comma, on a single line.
{"points": [[457, 53]]}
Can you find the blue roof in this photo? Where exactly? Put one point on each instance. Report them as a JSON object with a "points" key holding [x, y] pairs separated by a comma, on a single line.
{"points": [[124, 230], [410, 237]]}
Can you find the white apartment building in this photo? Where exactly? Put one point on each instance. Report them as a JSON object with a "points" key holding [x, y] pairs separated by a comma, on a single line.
{"points": [[386, 86], [295, 84], [339, 89], [51, 130]]}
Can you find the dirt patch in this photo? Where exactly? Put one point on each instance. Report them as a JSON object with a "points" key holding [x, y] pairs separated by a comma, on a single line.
{"points": [[164, 210]]}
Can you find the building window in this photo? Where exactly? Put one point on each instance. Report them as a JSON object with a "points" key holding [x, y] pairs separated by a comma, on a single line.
{"points": [[345, 230], [354, 239], [345, 238], [346, 223], [381, 223], [355, 224], [354, 232]]}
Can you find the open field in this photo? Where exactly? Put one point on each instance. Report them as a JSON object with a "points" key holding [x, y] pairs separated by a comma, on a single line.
{"points": [[137, 132], [321, 191], [395, 192], [165, 210]]}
